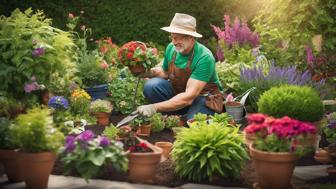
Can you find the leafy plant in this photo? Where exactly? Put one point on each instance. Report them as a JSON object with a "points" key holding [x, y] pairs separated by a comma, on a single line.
{"points": [[330, 128], [266, 76], [122, 91], [88, 154], [6, 138], [280, 135], [111, 132], [172, 121], [34, 132], [157, 122], [80, 102], [208, 150], [200, 117], [139, 121], [298, 102], [223, 118], [30, 47], [101, 106]]}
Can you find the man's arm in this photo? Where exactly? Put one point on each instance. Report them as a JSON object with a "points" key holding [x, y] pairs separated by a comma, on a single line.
{"points": [[194, 88]]}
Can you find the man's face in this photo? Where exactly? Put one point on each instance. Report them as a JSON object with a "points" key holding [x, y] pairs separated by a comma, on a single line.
{"points": [[181, 42]]}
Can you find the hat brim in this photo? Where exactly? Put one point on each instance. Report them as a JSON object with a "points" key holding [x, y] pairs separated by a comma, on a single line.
{"points": [[181, 31]]}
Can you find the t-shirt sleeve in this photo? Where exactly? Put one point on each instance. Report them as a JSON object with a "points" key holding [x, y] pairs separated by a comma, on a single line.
{"points": [[204, 69], [166, 57]]}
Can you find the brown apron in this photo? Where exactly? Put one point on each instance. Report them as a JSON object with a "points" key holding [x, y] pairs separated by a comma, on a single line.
{"points": [[179, 78]]}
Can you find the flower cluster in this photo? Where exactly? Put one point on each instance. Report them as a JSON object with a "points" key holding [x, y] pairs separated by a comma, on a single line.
{"points": [[57, 102], [88, 154], [140, 147], [33, 85], [280, 135], [80, 102], [137, 53], [108, 50], [239, 35], [330, 129], [80, 93], [101, 106]]}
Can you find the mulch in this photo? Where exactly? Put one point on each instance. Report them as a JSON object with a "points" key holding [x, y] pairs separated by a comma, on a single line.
{"points": [[165, 175]]}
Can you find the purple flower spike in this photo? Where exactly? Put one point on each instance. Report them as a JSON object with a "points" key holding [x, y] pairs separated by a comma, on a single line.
{"points": [[104, 141], [85, 136], [38, 52]]}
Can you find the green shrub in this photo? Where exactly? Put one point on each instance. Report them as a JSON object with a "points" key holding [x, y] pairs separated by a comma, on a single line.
{"points": [[111, 132], [298, 102], [157, 122], [6, 139], [34, 132], [207, 150], [31, 50], [172, 121]]}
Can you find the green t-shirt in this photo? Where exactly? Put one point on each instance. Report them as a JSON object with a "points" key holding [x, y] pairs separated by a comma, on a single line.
{"points": [[202, 66]]}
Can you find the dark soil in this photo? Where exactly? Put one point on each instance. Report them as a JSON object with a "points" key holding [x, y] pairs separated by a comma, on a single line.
{"points": [[165, 175]]}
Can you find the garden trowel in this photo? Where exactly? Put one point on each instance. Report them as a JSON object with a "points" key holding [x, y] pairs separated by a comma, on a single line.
{"points": [[128, 118]]}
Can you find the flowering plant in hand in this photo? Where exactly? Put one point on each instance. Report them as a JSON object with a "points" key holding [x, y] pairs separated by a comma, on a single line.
{"points": [[280, 135], [87, 154], [137, 53]]}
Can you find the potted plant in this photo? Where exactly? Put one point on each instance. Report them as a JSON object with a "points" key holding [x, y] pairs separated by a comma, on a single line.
{"points": [[122, 91], [157, 122], [208, 150], [172, 121], [88, 154], [38, 141], [111, 132], [80, 102], [278, 144], [138, 57], [9, 154], [143, 158], [142, 125], [298, 102], [101, 109]]}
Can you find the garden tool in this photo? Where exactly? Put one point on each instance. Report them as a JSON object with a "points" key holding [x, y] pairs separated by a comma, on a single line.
{"points": [[128, 118]]}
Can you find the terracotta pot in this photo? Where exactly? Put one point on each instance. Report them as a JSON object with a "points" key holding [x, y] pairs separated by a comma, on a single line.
{"points": [[137, 69], [322, 156], [45, 97], [13, 165], [274, 169], [103, 118], [144, 130], [331, 171], [142, 166], [166, 148], [249, 138], [40, 166]]}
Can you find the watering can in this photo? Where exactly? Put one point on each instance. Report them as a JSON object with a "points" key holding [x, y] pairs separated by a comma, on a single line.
{"points": [[236, 109]]}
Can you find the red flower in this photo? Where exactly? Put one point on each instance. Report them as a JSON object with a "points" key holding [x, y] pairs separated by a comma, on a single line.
{"points": [[129, 55], [256, 118], [103, 49]]}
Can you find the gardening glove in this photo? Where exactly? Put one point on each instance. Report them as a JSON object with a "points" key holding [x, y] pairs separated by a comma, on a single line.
{"points": [[147, 110]]}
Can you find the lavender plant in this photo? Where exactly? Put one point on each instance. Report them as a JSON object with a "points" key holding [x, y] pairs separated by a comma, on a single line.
{"points": [[264, 77]]}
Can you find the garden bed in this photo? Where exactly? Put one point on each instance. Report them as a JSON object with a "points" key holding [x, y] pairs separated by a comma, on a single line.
{"points": [[165, 175]]}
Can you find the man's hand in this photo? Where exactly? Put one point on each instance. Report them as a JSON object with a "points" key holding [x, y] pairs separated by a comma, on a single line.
{"points": [[147, 110]]}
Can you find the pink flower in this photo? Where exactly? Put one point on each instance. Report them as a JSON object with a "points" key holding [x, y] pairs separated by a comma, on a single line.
{"points": [[154, 51], [229, 97], [256, 118], [104, 65], [71, 16]]}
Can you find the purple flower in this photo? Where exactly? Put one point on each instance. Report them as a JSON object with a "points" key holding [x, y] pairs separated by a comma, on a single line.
{"points": [[58, 102], [85, 136], [28, 88], [70, 143], [38, 51], [104, 141], [310, 56]]}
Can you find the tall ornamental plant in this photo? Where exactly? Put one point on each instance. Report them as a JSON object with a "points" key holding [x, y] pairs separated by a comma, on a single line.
{"points": [[299, 32], [31, 50]]}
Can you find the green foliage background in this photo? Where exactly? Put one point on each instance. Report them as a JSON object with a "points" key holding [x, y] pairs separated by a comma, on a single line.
{"points": [[126, 20]]}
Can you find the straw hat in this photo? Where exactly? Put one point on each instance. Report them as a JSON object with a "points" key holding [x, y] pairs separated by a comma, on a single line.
{"points": [[183, 24]]}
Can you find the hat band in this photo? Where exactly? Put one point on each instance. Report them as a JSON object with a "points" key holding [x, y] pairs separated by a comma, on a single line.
{"points": [[192, 29]]}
